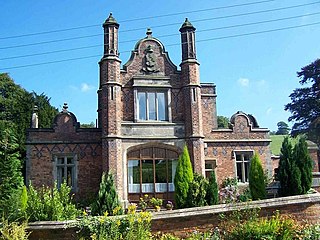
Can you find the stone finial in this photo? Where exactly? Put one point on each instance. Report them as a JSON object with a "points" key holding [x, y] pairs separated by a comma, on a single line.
{"points": [[110, 20], [34, 118], [187, 25], [149, 33], [65, 108]]}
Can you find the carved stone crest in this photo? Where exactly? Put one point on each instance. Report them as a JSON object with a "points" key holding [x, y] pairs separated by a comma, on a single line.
{"points": [[151, 65]]}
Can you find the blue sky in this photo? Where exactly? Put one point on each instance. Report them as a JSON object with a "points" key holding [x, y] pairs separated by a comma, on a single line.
{"points": [[254, 73]]}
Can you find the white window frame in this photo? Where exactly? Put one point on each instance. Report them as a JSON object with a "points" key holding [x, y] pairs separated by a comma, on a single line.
{"points": [[242, 153], [167, 99], [65, 165]]}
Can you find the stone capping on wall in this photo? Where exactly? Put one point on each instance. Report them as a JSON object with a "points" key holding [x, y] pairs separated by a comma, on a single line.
{"points": [[303, 207]]}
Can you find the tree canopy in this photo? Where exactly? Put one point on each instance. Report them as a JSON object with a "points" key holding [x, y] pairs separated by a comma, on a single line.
{"points": [[305, 103], [283, 128], [223, 122], [16, 106]]}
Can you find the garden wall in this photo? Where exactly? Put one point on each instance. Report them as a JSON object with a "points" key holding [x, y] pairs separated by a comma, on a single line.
{"points": [[303, 208]]}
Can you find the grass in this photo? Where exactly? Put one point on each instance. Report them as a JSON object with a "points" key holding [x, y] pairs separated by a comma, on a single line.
{"points": [[276, 142]]}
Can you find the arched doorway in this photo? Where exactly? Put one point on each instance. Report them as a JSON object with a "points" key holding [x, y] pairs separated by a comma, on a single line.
{"points": [[151, 171]]}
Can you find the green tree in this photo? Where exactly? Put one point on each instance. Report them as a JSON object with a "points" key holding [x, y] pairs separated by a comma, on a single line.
{"points": [[256, 179], [183, 178], [107, 199], [212, 195], [283, 128], [197, 191], [305, 102], [16, 106], [11, 180], [304, 163], [223, 122], [87, 125], [289, 173]]}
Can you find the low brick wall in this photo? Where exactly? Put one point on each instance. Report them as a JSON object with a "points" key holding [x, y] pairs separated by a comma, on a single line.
{"points": [[303, 208]]}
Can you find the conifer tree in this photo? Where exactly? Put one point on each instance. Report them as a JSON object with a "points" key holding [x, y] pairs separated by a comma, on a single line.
{"points": [[183, 178], [304, 163], [212, 195], [107, 199], [289, 173], [256, 179], [197, 191]]}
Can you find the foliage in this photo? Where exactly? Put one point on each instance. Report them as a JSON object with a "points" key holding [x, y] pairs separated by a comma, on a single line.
{"points": [[289, 174], [277, 227], [256, 179], [11, 180], [51, 204], [156, 202], [13, 231], [223, 122], [144, 202], [283, 128], [197, 191], [295, 168], [183, 178], [87, 125], [133, 226], [16, 106], [212, 195], [107, 199], [229, 193], [304, 163], [305, 104], [311, 232]]}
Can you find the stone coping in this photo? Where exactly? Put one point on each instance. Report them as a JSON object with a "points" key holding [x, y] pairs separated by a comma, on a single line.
{"points": [[198, 211]]}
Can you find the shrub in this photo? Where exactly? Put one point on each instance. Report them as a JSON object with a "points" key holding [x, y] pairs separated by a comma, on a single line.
{"points": [[212, 195], [229, 193], [304, 163], [183, 178], [51, 204], [129, 227], [107, 199], [11, 180], [197, 191], [256, 179], [277, 227], [13, 231]]}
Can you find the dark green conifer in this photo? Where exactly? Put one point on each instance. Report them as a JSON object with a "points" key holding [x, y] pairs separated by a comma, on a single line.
{"points": [[183, 178], [256, 179], [212, 195]]}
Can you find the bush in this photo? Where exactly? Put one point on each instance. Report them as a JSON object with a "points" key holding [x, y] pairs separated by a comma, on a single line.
{"points": [[47, 204], [13, 231], [212, 195], [229, 193], [182, 179], [129, 227], [278, 227], [107, 199], [257, 179], [305, 164], [197, 191]]}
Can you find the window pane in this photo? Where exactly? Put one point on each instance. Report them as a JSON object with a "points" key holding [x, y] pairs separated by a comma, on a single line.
{"points": [[147, 176], [69, 179], [134, 176], [142, 106], [161, 107], [239, 171], [60, 161], [152, 105], [172, 165], [161, 171], [246, 169], [59, 176], [69, 160]]}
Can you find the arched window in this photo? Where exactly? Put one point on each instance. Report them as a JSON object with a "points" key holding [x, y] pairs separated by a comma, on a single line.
{"points": [[151, 170]]}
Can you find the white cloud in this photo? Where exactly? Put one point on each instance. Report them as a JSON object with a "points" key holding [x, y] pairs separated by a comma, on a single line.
{"points": [[86, 87], [269, 111], [244, 82]]}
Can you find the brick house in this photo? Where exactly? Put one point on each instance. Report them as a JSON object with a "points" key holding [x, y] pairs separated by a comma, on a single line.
{"points": [[147, 111]]}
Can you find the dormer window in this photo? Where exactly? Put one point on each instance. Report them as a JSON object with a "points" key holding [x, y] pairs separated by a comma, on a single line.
{"points": [[152, 105]]}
